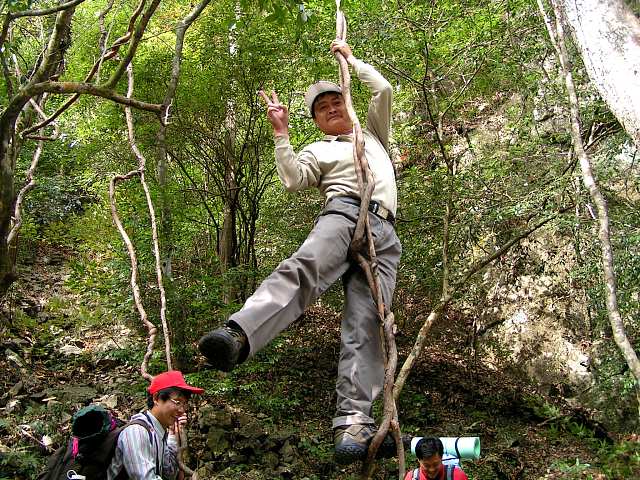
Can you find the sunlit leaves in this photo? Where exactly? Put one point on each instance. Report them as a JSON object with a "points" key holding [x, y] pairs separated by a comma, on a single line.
{"points": [[19, 5]]}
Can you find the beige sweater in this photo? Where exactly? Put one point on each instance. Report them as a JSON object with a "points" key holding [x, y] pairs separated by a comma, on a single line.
{"points": [[328, 164]]}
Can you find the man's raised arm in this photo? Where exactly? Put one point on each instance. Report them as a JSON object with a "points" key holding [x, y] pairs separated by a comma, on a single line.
{"points": [[296, 172], [379, 114]]}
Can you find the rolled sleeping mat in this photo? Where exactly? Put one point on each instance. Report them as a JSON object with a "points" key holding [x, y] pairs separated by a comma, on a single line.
{"points": [[466, 448]]}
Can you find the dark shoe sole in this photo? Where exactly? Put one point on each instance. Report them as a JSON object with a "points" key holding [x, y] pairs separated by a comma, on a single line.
{"points": [[346, 454], [219, 351]]}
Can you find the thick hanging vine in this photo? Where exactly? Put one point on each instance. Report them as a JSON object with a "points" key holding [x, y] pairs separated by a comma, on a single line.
{"points": [[363, 240]]}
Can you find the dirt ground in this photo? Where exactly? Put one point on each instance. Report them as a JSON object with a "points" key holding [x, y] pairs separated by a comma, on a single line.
{"points": [[270, 418]]}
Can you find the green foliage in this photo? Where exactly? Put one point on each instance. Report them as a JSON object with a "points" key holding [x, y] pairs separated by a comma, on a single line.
{"points": [[18, 5], [316, 449], [467, 79], [573, 470], [621, 460], [100, 272], [258, 384], [19, 463], [36, 420]]}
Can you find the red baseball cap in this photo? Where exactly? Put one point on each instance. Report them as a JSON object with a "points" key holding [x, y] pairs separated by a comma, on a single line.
{"points": [[172, 378]]}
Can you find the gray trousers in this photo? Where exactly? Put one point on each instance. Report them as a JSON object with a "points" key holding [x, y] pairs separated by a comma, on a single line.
{"points": [[299, 280]]}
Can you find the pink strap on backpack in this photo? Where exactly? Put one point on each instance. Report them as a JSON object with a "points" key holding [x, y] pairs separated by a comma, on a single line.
{"points": [[75, 447]]}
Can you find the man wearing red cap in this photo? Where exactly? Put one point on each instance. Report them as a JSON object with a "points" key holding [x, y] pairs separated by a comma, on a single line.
{"points": [[324, 256], [151, 452]]}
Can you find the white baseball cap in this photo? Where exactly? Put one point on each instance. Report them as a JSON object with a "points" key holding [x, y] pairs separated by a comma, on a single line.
{"points": [[317, 89]]}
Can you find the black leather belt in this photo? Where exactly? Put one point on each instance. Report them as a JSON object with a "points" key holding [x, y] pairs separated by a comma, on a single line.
{"points": [[374, 207]]}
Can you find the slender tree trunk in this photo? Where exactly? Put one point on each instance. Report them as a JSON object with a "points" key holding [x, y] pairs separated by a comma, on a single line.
{"points": [[228, 235], [228, 241], [607, 34], [166, 223], [228, 232]]}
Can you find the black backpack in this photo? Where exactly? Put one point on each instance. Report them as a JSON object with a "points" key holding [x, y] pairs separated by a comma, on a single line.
{"points": [[448, 472], [89, 451]]}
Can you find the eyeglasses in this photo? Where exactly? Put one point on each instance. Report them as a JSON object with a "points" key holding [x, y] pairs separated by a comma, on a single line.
{"points": [[179, 404]]}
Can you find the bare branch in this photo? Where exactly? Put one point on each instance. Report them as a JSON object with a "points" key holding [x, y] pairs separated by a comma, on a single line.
{"points": [[152, 215], [56, 129], [133, 45], [151, 328], [95, 69], [45, 11], [80, 88], [42, 114], [199, 191], [104, 35], [30, 183], [462, 90], [47, 120]]}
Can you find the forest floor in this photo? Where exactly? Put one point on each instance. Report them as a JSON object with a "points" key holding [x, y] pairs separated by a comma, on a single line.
{"points": [[270, 418]]}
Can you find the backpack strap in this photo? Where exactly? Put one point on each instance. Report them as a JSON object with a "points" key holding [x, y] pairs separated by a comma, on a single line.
{"points": [[456, 447], [449, 469], [416, 474], [150, 430], [142, 423]]}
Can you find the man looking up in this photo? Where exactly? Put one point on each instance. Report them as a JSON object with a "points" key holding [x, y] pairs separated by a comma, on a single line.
{"points": [[324, 256]]}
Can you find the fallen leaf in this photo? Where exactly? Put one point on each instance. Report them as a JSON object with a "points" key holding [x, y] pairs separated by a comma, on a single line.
{"points": [[70, 350], [109, 401]]}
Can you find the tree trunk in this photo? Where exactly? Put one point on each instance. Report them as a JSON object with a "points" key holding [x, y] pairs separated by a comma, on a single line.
{"points": [[228, 236], [52, 62], [228, 241], [7, 198], [615, 319], [607, 34]]}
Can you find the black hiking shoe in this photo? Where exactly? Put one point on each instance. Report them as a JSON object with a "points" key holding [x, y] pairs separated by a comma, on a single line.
{"points": [[352, 443], [224, 347]]}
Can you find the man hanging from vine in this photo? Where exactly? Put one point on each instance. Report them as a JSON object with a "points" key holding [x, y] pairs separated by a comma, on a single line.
{"points": [[325, 257]]}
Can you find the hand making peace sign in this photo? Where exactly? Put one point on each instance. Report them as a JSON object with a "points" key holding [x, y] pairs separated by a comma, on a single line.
{"points": [[277, 113]]}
